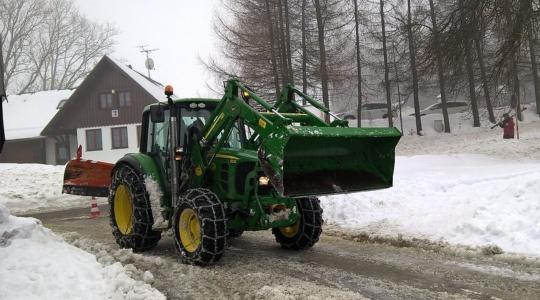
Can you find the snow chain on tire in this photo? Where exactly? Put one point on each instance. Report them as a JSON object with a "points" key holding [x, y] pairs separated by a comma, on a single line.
{"points": [[309, 226], [141, 236], [213, 227]]}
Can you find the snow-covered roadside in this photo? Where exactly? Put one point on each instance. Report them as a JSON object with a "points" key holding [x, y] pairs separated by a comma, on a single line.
{"points": [[37, 264], [472, 200], [33, 187]]}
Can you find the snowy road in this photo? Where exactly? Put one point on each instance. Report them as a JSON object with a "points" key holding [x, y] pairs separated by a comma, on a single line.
{"points": [[254, 267]]}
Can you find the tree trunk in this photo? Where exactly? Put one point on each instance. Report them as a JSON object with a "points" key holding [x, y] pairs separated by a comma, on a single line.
{"points": [[414, 72], [513, 76], [472, 88], [386, 71], [304, 51], [534, 67], [283, 46], [358, 65], [480, 55], [288, 38], [469, 65], [440, 70], [272, 48], [322, 54]]}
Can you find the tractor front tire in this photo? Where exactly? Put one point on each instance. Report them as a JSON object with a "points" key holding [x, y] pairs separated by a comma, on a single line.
{"points": [[200, 227], [304, 233], [130, 210]]}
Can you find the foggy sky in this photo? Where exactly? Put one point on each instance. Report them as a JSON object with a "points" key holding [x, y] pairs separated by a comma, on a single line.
{"points": [[181, 29]]}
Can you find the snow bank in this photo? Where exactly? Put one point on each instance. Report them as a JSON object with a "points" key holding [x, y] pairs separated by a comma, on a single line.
{"points": [[463, 199], [35, 187], [36, 264]]}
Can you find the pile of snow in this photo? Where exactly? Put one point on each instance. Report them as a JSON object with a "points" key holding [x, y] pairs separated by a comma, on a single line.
{"points": [[471, 200], [26, 115], [36, 187], [36, 264]]}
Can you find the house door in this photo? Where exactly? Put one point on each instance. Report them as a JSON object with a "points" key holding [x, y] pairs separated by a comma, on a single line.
{"points": [[62, 153]]}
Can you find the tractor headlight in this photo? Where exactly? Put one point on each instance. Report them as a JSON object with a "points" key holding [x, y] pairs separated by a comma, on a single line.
{"points": [[263, 180]]}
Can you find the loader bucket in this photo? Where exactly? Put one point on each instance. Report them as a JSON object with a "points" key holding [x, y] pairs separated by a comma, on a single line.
{"points": [[87, 178], [330, 160]]}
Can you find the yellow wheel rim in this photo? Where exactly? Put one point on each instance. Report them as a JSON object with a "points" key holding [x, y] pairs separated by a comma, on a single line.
{"points": [[290, 231], [123, 209], [189, 228]]}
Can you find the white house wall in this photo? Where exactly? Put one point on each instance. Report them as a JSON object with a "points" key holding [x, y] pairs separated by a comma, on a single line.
{"points": [[108, 154], [50, 151]]}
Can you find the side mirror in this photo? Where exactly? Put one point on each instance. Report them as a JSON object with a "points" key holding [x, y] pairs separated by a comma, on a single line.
{"points": [[157, 114]]}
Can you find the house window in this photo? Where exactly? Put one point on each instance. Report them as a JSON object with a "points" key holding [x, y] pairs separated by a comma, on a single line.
{"points": [[62, 153], [93, 140], [124, 99], [138, 135], [105, 100], [119, 137]]}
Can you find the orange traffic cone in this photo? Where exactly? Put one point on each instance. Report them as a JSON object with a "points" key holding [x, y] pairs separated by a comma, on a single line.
{"points": [[94, 209]]}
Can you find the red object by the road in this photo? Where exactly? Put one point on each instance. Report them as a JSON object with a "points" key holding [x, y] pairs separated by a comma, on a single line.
{"points": [[79, 152], [508, 128], [94, 209], [87, 178]]}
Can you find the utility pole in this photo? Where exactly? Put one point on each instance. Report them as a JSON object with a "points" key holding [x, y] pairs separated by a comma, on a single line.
{"points": [[149, 62]]}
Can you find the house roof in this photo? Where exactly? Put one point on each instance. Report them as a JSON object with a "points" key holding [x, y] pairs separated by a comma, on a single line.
{"points": [[26, 115], [69, 119], [153, 87]]}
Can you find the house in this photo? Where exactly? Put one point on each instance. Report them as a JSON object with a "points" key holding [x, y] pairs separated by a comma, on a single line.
{"points": [[25, 116], [103, 115]]}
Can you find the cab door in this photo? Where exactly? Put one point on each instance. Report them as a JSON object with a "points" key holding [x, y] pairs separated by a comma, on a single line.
{"points": [[157, 146]]}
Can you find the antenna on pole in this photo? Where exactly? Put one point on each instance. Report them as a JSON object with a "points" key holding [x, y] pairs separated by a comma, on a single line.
{"points": [[149, 62]]}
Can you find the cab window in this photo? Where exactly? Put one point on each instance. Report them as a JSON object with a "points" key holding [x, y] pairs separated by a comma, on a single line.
{"points": [[158, 136], [192, 117]]}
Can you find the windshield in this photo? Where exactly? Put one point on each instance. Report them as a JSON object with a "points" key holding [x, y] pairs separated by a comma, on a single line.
{"points": [[192, 117]]}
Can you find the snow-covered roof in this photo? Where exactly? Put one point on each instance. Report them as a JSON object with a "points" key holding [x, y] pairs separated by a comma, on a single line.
{"points": [[26, 115], [153, 87]]}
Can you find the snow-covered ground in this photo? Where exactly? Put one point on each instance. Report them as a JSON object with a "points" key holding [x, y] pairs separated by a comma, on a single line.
{"points": [[464, 199], [37, 264], [33, 187], [470, 187]]}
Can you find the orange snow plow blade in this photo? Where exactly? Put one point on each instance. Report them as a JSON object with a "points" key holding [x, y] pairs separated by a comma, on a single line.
{"points": [[87, 178]]}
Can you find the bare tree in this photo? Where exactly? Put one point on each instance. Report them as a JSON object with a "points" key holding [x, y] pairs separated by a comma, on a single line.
{"points": [[50, 45], [322, 53], [414, 72], [440, 69], [358, 63], [386, 68], [303, 30], [531, 34], [19, 21]]}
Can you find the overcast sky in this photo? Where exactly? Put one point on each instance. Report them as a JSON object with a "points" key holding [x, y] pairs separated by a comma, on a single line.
{"points": [[180, 29]]}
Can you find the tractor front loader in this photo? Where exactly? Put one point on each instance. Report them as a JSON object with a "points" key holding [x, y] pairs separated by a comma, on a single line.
{"points": [[211, 169]]}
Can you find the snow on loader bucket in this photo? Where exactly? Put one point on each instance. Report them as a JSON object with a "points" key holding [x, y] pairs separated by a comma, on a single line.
{"points": [[309, 160]]}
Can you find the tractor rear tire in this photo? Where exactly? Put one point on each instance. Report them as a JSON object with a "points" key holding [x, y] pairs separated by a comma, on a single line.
{"points": [[305, 233], [130, 210], [200, 227]]}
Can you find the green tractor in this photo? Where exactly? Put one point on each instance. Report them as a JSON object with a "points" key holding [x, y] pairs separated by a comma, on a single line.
{"points": [[211, 169]]}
